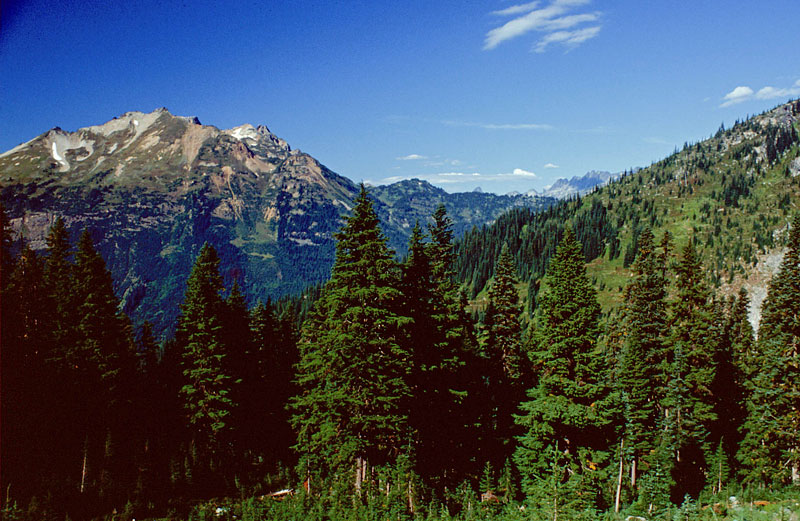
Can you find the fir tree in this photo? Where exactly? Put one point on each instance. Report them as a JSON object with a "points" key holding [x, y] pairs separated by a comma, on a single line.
{"points": [[735, 359], [104, 366], [689, 403], [642, 372], [206, 391], [353, 366], [566, 410], [771, 450], [507, 366]]}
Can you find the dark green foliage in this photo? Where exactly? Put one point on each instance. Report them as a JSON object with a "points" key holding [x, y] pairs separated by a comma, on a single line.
{"points": [[642, 372], [564, 448], [532, 238], [201, 338], [507, 371], [353, 365], [770, 451]]}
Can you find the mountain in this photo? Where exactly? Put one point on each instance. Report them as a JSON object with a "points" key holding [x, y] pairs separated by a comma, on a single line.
{"points": [[153, 188], [733, 195], [564, 188]]}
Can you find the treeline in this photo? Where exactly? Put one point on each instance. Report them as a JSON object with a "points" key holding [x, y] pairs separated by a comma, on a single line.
{"points": [[97, 418], [390, 401]]}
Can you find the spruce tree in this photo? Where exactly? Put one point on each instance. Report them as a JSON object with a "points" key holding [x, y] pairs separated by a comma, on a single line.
{"points": [[771, 448], [566, 413], [353, 368], [642, 371], [507, 368], [104, 366], [206, 390], [689, 404]]}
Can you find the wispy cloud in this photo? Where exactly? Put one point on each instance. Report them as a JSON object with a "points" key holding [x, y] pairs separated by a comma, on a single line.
{"points": [[745, 93], [411, 157], [448, 178], [499, 126], [551, 165], [656, 141], [517, 9], [569, 38], [557, 20]]}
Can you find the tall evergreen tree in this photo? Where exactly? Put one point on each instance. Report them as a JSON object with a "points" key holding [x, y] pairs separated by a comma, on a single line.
{"points": [[736, 357], [206, 391], [440, 411], [566, 415], [354, 366], [58, 273], [507, 366], [689, 404], [642, 371], [771, 448]]}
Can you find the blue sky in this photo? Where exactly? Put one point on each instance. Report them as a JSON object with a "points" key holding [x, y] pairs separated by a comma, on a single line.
{"points": [[498, 94]]}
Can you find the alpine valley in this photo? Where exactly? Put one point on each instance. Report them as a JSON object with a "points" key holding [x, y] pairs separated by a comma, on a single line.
{"points": [[152, 188]]}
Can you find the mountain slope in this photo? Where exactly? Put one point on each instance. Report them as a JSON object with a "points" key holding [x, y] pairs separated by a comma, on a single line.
{"points": [[153, 187], [732, 194]]}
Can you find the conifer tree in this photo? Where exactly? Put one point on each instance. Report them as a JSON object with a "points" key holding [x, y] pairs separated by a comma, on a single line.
{"points": [[58, 273], [461, 360], [354, 366], [274, 356], [689, 404], [440, 412], [736, 358], [771, 448], [642, 372], [103, 364], [566, 413], [503, 326], [206, 391], [507, 365], [26, 377]]}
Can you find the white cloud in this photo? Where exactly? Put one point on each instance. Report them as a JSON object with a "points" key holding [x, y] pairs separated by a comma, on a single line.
{"points": [[411, 157], [499, 126], [466, 177], [550, 165], [772, 92], [517, 9], [744, 93], [569, 38], [737, 95], [553, 19]]}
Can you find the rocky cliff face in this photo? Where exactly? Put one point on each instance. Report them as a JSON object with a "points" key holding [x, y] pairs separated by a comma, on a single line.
{"points": [[152, 188], [564, 188]]}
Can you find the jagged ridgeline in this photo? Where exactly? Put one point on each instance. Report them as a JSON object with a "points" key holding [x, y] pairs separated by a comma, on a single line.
{"points": [[732, 195], [153, 188]]}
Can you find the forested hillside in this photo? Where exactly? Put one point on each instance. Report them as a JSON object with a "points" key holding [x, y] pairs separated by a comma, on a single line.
{"points": [[731, 195], [611, 371]]}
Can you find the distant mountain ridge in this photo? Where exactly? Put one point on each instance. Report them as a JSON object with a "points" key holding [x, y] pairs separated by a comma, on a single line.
{"points": [[153, 187], [579, 185]]}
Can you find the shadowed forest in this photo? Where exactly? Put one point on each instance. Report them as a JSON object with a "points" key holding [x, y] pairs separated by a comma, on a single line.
{"points": [[388, 393]]}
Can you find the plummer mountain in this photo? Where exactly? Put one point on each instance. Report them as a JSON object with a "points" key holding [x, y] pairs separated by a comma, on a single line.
{"points": [[152, 188]]}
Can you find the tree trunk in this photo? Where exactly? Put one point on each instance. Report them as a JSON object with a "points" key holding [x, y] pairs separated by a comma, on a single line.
{"points": [[84, 468], [619, 480], [633, 472], [410, 498], [361, 466]]}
